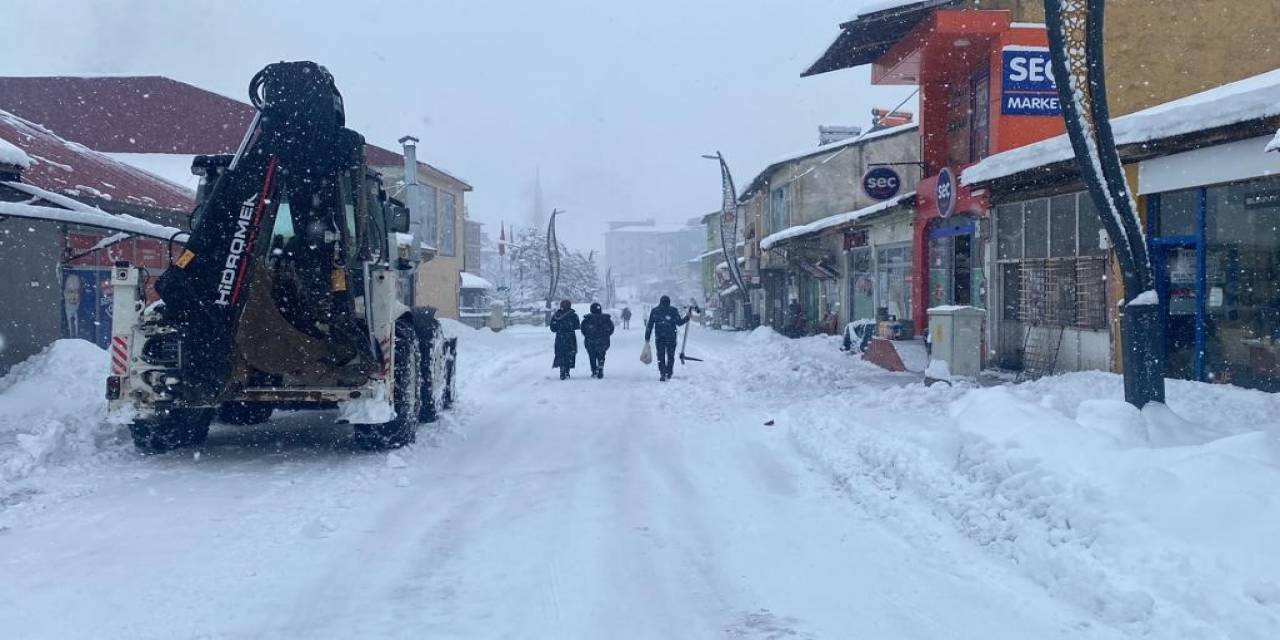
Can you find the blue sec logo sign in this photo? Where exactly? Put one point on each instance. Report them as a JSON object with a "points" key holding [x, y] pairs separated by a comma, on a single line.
{"points": [[881, 183], [946, 193], [1027, 86]]}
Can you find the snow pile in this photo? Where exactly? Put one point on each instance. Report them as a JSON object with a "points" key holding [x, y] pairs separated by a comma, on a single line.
{"points": [[10, 154], [53, 408], [375, 408], [1274, 145], [473, 281], [1160, 521]]}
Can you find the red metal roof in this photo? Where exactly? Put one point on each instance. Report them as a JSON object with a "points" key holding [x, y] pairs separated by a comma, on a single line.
{"points": [[143, 114], [69, 168]]}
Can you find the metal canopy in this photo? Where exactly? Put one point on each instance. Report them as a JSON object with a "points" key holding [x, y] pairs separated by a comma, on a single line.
{"points": [[866, 38]]}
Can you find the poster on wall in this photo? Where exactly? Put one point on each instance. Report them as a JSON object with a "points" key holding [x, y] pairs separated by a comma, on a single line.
{"points": [[86, 305]]}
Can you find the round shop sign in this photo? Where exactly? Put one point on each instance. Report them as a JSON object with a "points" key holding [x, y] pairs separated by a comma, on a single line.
{"points": [[945, 192], [881, 183]]}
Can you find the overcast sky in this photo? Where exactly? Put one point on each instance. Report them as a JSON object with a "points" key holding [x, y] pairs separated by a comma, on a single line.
{"points": [[612, 101]]}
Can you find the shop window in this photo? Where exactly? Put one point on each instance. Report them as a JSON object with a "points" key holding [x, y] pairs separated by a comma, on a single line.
{"points": [[1011, 279], [1178, 213], [1062, 226], [1035, 231], [959, 115], [1091, 235], [861, 284], [1059, 279], [979, 117], [1009, 232], [893, 281], [1242, 284]]}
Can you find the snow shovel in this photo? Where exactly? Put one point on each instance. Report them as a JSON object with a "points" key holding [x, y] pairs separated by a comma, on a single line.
{"points": [[685, 342]]}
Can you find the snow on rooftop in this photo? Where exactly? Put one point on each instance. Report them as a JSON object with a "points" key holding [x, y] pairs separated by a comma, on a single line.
{"points": [[653, 229], [10, 154], [174, 167], [826, 148], [473, 281], [1249, 99], [822, 224], [884, 5], [839, 144], [71, 211]]}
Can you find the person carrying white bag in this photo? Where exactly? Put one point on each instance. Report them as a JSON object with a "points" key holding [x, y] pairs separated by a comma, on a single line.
{"points": [[662, 324]]}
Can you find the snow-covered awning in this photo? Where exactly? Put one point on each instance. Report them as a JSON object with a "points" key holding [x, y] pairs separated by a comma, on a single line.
{"points": [[72, 211], [832, 222], [717, 251], [1253, 98], [724, 264], [473, 281]]}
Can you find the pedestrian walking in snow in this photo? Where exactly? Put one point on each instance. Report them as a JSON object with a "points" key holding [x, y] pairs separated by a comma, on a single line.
{"points": [[596, 329], [663, 321], [564, 323], [626, 318], [796, 325]]}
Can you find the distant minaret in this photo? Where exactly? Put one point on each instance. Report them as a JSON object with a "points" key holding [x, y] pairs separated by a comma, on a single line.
{"points": [[538, 216]]}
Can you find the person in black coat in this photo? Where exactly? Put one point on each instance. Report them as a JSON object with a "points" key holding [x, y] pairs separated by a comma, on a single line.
{"points": [[564, 323], [596, 329], [663, 321]]}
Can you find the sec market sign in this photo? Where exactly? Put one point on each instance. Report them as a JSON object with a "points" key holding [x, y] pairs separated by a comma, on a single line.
{"points": [[881, 183], [945, 192], [1028, 87]]}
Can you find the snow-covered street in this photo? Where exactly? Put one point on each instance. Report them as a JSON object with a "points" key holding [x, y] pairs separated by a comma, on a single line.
{"points": [[622, 508], [614, 508]]}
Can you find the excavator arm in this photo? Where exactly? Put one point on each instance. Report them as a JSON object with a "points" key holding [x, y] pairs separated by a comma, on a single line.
{"points": [[297, 160]]}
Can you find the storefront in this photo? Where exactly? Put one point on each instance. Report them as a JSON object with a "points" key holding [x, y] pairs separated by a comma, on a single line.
{"points": [[878, 257], [1213, 219], [951, 235], [1050, 275]]}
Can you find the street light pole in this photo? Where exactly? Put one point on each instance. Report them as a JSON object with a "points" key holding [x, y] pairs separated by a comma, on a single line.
{"points": [[729, 232], [1075, 30]]}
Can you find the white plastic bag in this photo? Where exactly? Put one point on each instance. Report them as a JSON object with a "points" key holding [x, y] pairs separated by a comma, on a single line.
{"points": [[646, 354]]}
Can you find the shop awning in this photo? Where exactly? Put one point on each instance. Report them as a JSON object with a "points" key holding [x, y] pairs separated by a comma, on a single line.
{"points": [[818, 270], [1138, 134], [872, 33], [835, 223]]}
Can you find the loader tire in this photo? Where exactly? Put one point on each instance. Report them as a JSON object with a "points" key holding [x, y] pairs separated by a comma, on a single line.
{"points": [[428, 412], [450, 370], [244, 413], [403, 428], [169, 429]]}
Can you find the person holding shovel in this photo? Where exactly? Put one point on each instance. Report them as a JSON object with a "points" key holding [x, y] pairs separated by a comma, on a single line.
{"points": [[663, 321]]}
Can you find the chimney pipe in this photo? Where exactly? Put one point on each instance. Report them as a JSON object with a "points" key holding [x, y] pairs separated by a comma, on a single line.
{"points": [[410, 159]]}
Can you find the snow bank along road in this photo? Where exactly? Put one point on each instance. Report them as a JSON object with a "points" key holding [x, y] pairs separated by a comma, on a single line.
{"points": [[621, 508]]}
